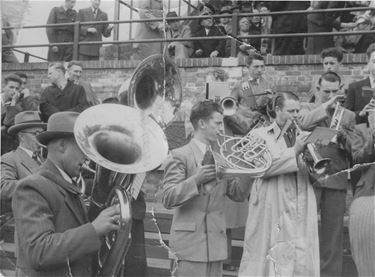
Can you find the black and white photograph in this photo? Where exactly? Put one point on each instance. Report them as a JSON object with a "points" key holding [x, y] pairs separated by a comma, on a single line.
{"points": [[187, 138]]}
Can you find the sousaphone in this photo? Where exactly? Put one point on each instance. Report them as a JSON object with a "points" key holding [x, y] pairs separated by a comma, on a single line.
{"points": [[122, 141]]}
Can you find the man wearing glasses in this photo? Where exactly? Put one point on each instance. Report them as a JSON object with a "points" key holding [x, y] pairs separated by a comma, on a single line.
{"points": [[23, 161]]}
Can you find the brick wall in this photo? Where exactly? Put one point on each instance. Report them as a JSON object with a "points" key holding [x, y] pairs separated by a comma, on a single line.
{"points": [[295, 73]]}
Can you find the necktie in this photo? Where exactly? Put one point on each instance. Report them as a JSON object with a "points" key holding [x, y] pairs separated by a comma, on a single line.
{"points": [[35, 157], [290, 138], [95, 12]]}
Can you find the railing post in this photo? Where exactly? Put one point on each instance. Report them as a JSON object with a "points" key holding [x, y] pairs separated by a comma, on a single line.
{"points": [[116, 16], [26, 57], [76, 40], [233, 42]]}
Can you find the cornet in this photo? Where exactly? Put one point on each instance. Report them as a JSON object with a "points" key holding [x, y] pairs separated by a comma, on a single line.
{"points": [[319, 164]]}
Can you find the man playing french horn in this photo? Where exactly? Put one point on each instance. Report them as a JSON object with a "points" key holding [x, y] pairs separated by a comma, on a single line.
{"points": [[281, 237], [330, 192]]}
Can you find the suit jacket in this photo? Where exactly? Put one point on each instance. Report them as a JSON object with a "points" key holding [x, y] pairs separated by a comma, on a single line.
{"points": [[313, 115], [85, 15], [355, 101], [53, 235], [15, 166], [198, 226], [28, 103], [208, 46]]}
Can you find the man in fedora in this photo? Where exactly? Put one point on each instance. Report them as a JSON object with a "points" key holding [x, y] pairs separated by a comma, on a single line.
{"points": [[23, 161], [53, 234]]}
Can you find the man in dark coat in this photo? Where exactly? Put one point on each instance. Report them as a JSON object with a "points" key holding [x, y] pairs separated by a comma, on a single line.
{"points": [[23, 161], [63, 14], [360, 98], [62, 95], [322, 22], [209, 48], [92, 32], [288, 24], [53, 234]]}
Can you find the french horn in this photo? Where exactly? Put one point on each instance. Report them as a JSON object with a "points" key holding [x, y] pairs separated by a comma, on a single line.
{"points": [[122, 141]]}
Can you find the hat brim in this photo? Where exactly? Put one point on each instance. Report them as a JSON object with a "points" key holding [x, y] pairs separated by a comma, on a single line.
{"points": [[16, 128], [45, 137]]}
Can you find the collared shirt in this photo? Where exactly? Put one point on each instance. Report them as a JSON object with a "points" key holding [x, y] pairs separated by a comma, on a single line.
{"points": [[201, 145], [207, 31], [28, 151]]}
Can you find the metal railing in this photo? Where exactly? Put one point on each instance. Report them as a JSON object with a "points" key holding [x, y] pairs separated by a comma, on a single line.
{"points": [[77, 25]]}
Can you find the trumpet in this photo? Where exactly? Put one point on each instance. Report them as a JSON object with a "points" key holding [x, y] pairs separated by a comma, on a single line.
{"points": [[336, 120], [229, 105], [319, 163]]}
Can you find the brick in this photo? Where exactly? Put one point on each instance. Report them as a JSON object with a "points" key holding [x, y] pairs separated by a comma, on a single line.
{"points": [[293, 73]]}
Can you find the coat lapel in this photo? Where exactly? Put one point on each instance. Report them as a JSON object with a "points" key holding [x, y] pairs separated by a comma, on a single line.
{"points": [[50, 172], [197, 154], [26, 161]]}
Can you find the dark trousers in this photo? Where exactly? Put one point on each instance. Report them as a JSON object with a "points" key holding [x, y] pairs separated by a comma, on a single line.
{"points": [[83, 57], [288, 46], [332, 208]]}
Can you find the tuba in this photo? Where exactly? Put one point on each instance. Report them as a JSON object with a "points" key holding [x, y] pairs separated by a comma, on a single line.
{"points": [[122, 141], [155, 88]]}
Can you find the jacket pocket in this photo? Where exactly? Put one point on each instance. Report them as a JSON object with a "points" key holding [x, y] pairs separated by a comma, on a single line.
{"points": [[185, 226]]}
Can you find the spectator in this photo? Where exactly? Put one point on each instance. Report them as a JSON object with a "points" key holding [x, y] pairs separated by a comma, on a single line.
{"points": [[92, 32], [255, 29], [364, 23], [9, 108], [357, 101], [244, 46], [322, 22], [30, 100], [226, 22], [74, 74], [209, 48], [288, 24], [62, 94], [201, 9], [25, 160], [266, 23], [179, 49], [149, 9], [7, 38], [63, 14]]}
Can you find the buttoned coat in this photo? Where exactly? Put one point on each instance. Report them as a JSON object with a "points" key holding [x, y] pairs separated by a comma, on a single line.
{"points": [[355, 101], [53, 234], [15, 166], [85, 15], [208, 46], [198, 226]]}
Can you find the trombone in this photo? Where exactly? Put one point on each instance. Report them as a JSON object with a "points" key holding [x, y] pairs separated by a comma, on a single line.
{"points": [[319, 163]]}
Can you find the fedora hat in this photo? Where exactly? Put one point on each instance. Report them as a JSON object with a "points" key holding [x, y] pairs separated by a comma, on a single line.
{"points": [[24, 120], [59, 125]]}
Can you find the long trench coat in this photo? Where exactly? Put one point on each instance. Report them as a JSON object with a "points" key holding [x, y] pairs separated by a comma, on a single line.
{"points": [[281, 237]]}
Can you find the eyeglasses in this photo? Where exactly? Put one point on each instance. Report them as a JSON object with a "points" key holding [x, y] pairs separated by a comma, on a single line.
{"points": [[32, 133]]}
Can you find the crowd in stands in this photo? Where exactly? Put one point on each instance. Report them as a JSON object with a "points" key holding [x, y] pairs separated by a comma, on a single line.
{"points": [[251, 25]]}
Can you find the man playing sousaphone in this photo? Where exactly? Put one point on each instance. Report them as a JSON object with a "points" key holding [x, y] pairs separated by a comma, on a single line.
{"points": [[331, 192]]}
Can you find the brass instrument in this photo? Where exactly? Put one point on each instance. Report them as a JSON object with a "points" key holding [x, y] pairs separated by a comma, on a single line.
{"points": [[336, 120], [243, 155], [320, 164], [229, 105], [155, 88], [122, 141]]}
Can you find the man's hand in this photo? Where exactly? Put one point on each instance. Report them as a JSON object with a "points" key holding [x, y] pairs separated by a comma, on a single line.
{"points": [[161, 27], [245, 86], [331, 103], [244, 47], [214, 54], [199, 52], [109, 28], [55, 49], [301, 143], [205, 174], [106, 221], [15, 98], [92, 30], [370, 107]]}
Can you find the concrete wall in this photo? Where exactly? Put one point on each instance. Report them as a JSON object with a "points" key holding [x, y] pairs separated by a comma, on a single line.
{"points": [[295, 73]]}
